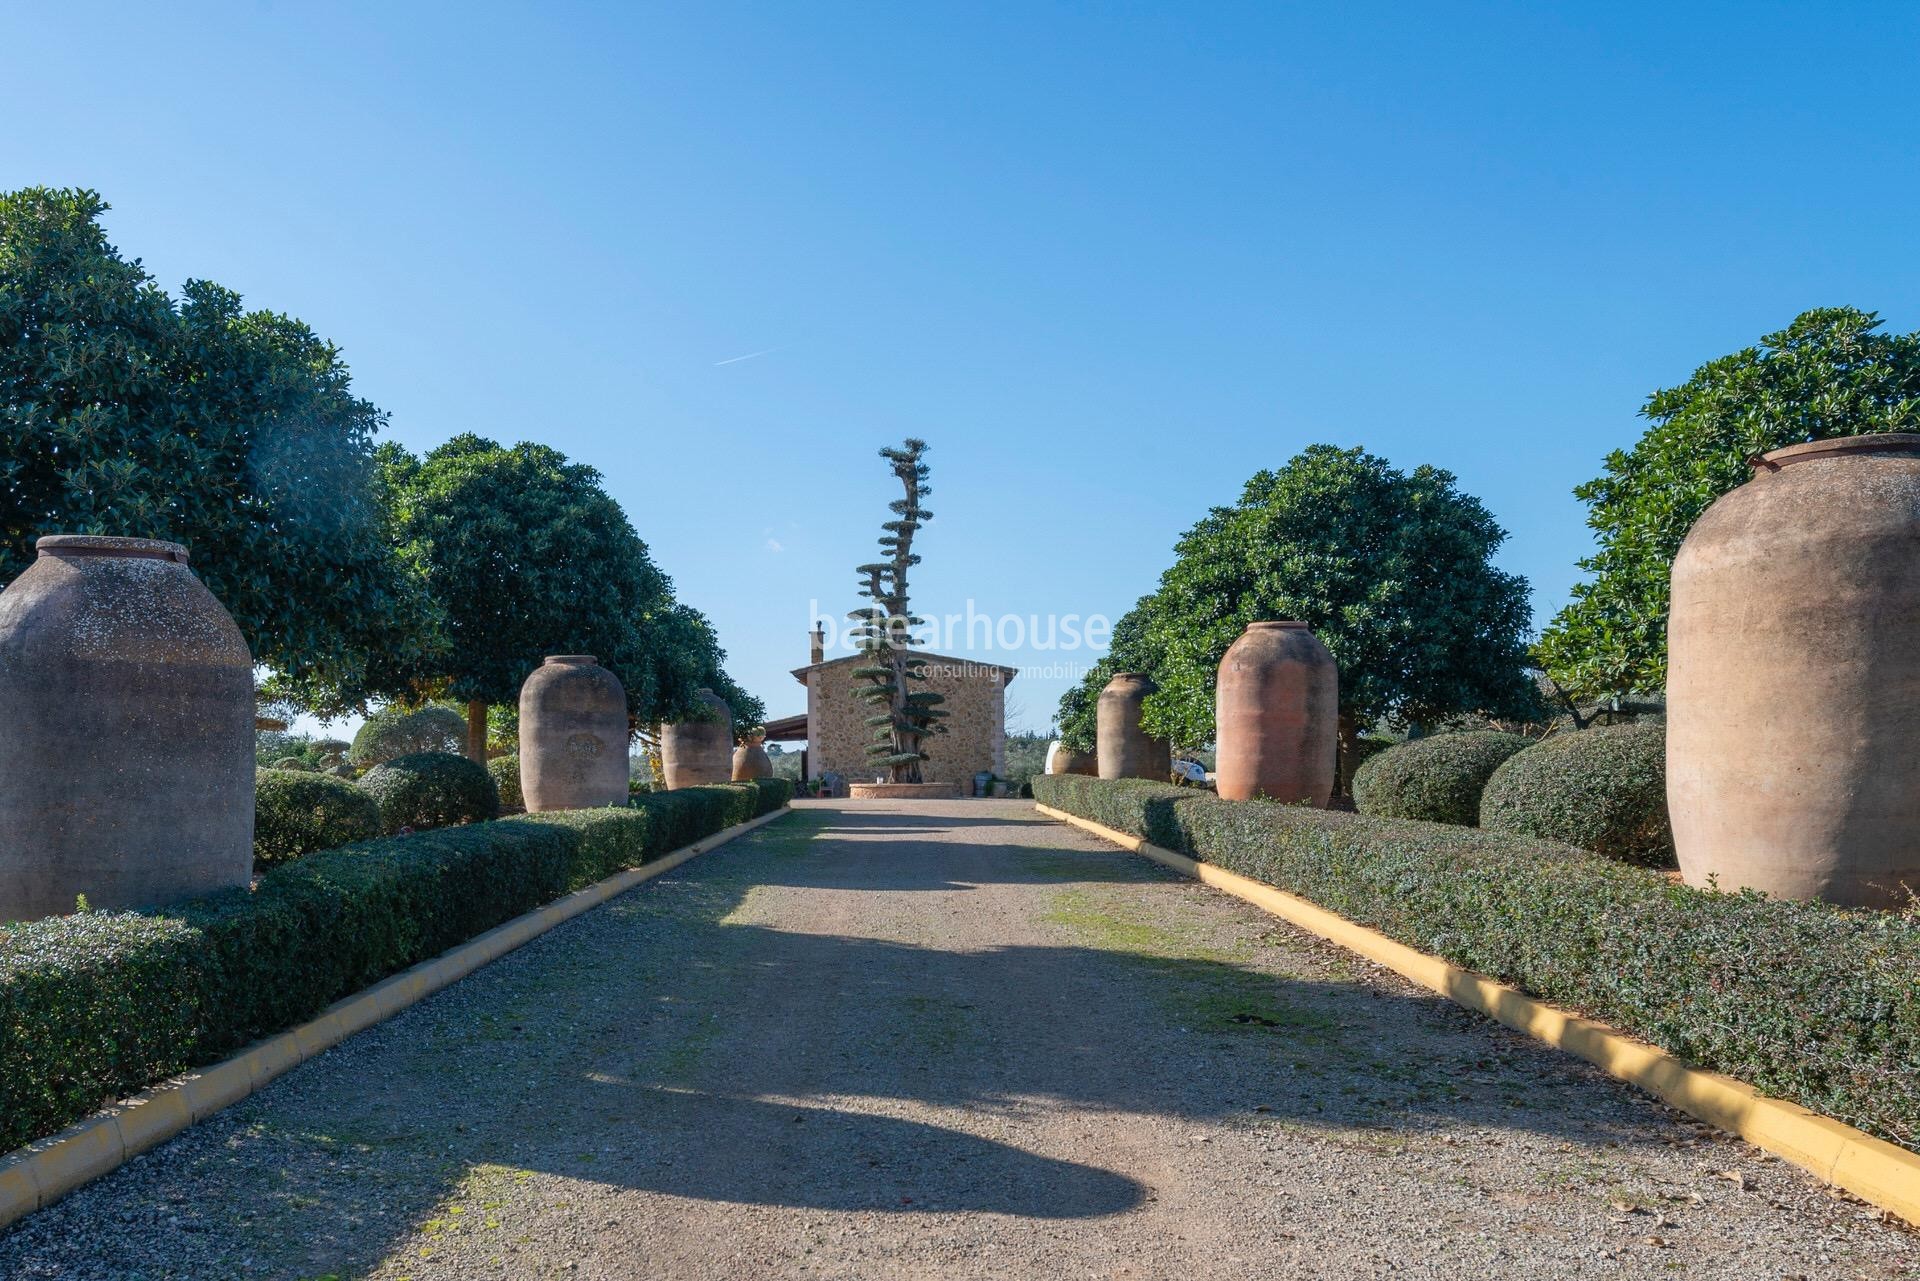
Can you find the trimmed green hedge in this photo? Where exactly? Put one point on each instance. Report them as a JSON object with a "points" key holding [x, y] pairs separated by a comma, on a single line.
{"points": [[296, 812], [395, 731], [1809, 1002], [1603, 789], [431, 789], [95, 1006], [1437, 779], [506, 777]]}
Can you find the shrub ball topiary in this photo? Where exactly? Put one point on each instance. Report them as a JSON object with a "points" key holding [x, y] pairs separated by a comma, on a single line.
{"points": [[296, 812], [1438, 779], [294, 762], [431, 789], [506, 777], [1602, 789], [343, 770], [395, 731]]}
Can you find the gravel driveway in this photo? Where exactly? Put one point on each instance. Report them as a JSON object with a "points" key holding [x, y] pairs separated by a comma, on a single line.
{"points": [[946, 1040]]}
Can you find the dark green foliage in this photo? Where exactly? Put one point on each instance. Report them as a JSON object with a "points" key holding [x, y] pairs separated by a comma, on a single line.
{"points": [[296, 812], [1603, 789], [431, 789], [904, 718], [402, 731], [1830, 373], [1393, 571], [96, 1006], [506, 779], [124, 411], [1438, 779], [1805, 1001], [293, 763]]}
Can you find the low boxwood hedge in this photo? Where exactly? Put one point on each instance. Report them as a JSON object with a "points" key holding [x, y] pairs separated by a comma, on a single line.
{"points": [[1805, 1001], [1437, 779], [97, 1005], [296, 812], [1603, 789], [431, 789], [506, 777]]}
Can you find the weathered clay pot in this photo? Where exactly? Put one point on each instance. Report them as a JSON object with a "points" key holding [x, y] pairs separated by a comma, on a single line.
{"points": [[126, 731], [697, 752], [573, 735], [1277, 716], [1062, 759], [1125, 749], [750, 761], [1793, 687]]}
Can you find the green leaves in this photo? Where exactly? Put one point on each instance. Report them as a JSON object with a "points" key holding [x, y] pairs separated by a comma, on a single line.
{"points": [[1830, 373], [1391, 569]]}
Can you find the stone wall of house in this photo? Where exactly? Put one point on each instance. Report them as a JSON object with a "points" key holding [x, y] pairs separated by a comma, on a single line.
{"points": [[975, 740]]}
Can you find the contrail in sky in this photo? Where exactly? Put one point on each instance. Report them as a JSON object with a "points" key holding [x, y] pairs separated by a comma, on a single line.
{"points": [[734, 360]]}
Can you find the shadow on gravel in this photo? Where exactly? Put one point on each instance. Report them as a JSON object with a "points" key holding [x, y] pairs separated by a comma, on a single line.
{"points": [[651, 1045]]}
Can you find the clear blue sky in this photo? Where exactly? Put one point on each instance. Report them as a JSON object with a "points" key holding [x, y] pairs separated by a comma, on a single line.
{"points": [[1109, 259]]}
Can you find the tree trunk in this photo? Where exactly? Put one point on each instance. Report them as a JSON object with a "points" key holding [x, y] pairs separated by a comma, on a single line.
{"points": [[1349, 744], [477, 731]]}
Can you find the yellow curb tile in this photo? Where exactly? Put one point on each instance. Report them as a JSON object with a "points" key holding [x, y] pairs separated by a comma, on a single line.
{"points": [[152, 1119], [270, 1058], [78, 1156], [19, 1189], [319, 1036], [216, 1087]]}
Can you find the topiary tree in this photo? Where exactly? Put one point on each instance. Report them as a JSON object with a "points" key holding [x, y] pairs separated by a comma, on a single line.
{"points": [[903, 718], [1830, 373], [1602, 789], [431, 789], [296, 812], [295, 763], [123, 411], [1437, 779], [403, 731], [1393, 571]]}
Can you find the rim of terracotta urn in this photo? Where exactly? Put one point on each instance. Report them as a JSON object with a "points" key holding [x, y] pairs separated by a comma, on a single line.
{"points": [[1892, 442], [582, 659], [1276, 625], [74, 546]]}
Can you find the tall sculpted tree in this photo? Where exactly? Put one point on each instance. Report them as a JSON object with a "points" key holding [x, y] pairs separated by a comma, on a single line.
{"points": [[904, 718], [529, 556], [1393, 571], [1830, 373], [237, 433]]}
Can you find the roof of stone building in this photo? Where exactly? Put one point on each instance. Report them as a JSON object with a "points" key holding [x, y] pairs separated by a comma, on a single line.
{"points": [[800, 673]]}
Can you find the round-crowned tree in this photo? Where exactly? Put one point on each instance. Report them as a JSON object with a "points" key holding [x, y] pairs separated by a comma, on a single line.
{"points": [[431, 789], [296, 812], [403, 731], [1437, 779], [1603, 789]]}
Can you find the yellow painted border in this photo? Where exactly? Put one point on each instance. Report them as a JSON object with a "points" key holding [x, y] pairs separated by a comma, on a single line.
{"points": [[41, 1173], [1872, 1169]]}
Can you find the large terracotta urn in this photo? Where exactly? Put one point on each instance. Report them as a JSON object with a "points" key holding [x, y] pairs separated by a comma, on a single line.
{"points": [[1793, 687], [1125, 749], [1277, 717], [699, 751], [573, 735], [750, 760], [126, 731], [1062, 759]]}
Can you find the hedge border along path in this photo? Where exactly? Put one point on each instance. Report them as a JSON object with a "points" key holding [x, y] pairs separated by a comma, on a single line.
{"points": [[1871, 1168], [43, 1172]]}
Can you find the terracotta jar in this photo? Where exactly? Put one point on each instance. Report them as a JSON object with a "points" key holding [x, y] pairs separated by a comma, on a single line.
{"points": [[1793, 687], [697, 752], [750, 760], [1125, 749], [1277, 716], [1062, 759], [126, 731], [573, 735]]}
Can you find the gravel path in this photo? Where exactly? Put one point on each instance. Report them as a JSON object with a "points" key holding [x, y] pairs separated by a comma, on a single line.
{"points": [[946, 1040]]}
